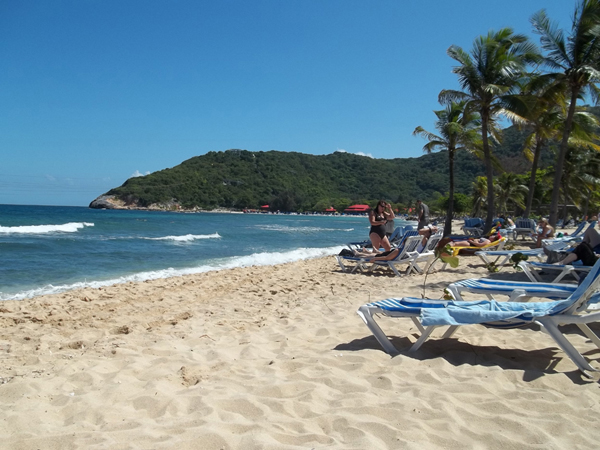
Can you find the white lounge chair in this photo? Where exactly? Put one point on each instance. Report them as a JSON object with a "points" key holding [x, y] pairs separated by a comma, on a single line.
{"points": [[531, 267], [353, 264], [426, 256], [429, 314], [405, 256], [503, 256], [576, 236]]}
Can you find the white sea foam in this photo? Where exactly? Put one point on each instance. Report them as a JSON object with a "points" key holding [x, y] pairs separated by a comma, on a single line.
{"points": [[256, 259], [185, 238], [287, 229], [70, 227]]}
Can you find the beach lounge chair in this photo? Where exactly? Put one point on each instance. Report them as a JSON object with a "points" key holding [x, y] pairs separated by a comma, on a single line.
{"points": [[524, 227], [426, 256], [498, 245], [395, 239], [405, 256], [576, 236], [352, 264], [503, 256], [429, 314], [517, 290], [473, 227], [531, 267]]}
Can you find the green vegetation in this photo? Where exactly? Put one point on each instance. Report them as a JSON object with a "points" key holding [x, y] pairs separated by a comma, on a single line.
{"points": [[290, 181]]}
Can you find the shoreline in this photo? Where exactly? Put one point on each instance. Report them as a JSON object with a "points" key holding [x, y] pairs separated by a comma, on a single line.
{"points": [[275, 357]]}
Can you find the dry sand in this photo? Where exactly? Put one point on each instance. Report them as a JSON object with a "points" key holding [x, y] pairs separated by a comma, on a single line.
{"points": [[276, 358]]}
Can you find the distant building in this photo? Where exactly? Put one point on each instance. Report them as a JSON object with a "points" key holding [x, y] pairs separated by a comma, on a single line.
{"points": [[357, 209]]}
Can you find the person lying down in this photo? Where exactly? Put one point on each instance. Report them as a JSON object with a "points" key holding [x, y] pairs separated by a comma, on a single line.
{"points": [[475, 242]]}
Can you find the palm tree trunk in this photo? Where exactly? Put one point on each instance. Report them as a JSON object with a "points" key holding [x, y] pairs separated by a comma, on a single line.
{"points": [[450, 212], [534, 166], [561, 157], [488, 170]]}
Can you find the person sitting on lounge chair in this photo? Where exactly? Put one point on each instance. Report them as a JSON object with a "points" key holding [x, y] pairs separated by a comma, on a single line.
{"points": [[592, 237], [583, 252], [427, 231], [587, 250], [475, 242], [546, 232]]}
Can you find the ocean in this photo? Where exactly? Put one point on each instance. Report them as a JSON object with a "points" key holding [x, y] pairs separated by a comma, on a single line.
{"points": [[52, 249]]}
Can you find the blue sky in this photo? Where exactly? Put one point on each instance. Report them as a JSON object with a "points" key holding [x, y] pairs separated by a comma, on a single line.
{"points": [[93, 92]]}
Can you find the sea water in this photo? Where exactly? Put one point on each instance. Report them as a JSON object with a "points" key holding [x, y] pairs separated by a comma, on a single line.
{"points": [[51, 249]]}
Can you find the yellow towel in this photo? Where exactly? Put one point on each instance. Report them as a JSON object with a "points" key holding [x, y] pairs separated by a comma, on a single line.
{"points": [[457, 250]]}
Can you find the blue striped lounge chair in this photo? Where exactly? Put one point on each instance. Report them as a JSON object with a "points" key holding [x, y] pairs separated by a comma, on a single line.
{"points": [[429, 314], [531, 269]]}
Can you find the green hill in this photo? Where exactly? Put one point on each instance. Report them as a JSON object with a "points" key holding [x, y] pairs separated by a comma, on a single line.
{"points": [[292, 181]]}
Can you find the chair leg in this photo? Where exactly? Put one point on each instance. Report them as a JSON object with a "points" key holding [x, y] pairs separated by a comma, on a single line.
{"points": [[420, 327], [393, 267], [423, 338], [366, 314], [589, 333], [566, 346], [450, 332], [566, 271]]}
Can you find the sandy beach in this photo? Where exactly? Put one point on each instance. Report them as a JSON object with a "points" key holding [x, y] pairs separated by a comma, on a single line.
{"points": [[275, 357]]}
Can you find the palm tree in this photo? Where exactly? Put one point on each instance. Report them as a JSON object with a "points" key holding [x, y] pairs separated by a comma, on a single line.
{"points": [[458, 131], [537, 108], [488, 73], [581, 177], [541, 107], [480, 191], [508, 189], [576, 59]]}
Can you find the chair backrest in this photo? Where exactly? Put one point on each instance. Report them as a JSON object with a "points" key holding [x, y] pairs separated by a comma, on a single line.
{"points": [[401, 240], [525, 223], [396, 234], [474, 222], [581, 297], [432, 243], [582, 226], [410, 245]]}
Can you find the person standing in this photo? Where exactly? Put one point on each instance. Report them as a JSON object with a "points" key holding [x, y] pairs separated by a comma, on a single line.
{"points": [[378, 217], [422, 214]]}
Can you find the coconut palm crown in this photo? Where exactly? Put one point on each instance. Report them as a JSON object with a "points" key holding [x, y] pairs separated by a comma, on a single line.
{"points": [[490, 71], [458, 130]]}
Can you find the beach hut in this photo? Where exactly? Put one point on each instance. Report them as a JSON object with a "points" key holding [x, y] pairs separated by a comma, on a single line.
{"points": [[331, 209], [357, 209]]}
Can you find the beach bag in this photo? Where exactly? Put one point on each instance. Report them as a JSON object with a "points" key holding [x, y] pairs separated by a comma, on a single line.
{"points": [[346, 252]]}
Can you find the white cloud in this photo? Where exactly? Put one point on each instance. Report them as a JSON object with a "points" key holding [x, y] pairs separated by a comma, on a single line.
{"points": [[137, 173], [50, 178], [368, 155]]}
